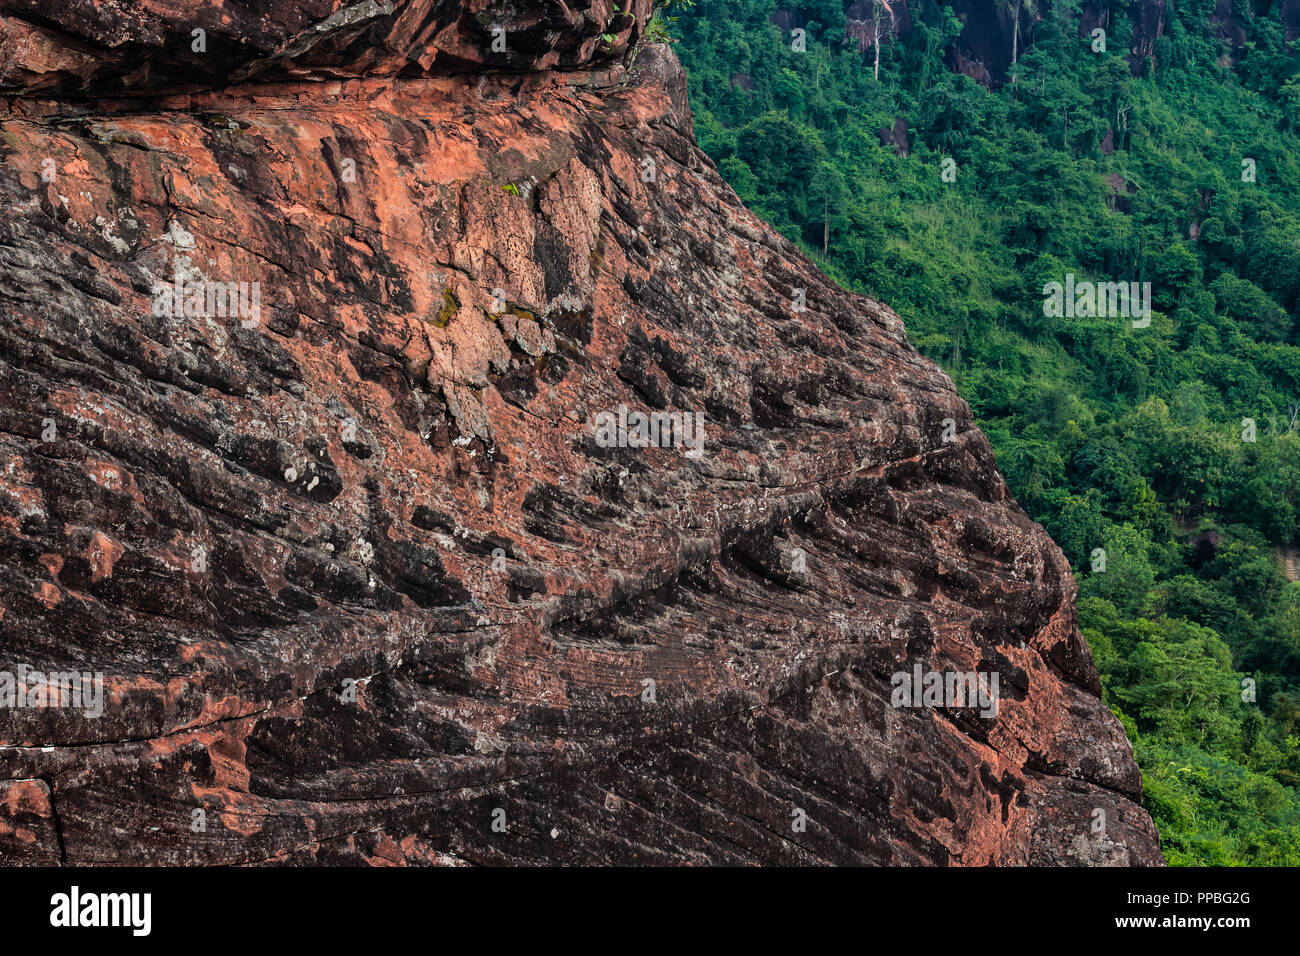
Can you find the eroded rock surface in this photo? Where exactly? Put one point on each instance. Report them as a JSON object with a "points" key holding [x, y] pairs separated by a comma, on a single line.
{"points": [[356, 570]]}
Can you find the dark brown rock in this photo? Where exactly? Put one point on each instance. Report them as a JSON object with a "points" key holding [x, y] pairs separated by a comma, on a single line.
{"points": [[1290, 10], [896, 136], [75, 47], [895, 20]]}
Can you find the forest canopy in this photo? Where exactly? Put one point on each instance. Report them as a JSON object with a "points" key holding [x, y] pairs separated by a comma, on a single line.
{"points": [[1165, 459]]}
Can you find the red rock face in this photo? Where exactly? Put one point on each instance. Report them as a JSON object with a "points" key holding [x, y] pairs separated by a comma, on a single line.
{"points": [[362, 578], [895, 21]]}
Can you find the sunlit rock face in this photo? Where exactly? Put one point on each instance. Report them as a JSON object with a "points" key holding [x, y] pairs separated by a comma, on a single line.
{"points": [[344, 385]]}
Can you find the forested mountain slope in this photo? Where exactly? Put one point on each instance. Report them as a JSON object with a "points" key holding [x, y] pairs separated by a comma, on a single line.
{"points": [[986, 161]]}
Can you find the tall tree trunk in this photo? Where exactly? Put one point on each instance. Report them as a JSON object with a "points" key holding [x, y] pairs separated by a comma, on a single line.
{"points": [[826, 227], [1015, 32], [876, 20]]}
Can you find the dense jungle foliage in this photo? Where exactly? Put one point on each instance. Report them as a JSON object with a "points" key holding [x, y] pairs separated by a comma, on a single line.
{"points": [[1126, 439]]}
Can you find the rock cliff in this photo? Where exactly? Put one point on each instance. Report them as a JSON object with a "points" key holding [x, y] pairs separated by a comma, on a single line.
{"points": [[366, 575]]}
